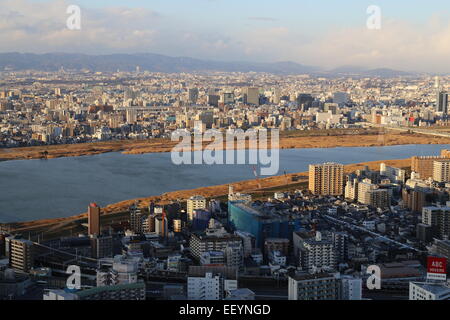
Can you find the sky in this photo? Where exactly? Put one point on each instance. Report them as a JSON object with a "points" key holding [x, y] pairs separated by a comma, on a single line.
{"points": [[414, 34]]}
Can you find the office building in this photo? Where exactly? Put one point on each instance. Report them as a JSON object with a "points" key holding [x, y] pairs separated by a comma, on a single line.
{"points": [[305, 101], [442, 102], [251, 96]]}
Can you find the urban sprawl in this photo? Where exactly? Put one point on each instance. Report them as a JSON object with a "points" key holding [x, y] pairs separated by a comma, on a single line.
{"points": [[314, 243]]}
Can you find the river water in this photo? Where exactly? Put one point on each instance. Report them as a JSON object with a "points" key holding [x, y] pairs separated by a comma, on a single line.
{"points": [[40, 189]]}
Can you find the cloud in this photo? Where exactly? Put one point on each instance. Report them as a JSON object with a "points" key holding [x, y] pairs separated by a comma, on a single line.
{"points": [[29, 26], [262, 19]]}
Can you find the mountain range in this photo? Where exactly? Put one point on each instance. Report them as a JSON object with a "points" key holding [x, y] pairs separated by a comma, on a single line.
{"points": [[161, 63]]}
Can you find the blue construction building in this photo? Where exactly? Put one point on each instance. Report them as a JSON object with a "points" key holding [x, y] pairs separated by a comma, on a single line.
{"points": [[262, 224]]}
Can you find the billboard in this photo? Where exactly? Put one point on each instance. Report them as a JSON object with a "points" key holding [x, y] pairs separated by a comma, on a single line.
{"points": [[437, 269]]}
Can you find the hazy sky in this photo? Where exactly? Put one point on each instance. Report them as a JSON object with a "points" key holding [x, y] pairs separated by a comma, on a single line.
{"points": [[414, 35]]}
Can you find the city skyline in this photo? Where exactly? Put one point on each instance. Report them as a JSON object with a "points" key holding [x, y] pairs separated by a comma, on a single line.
{"points": [[411, 38], [212, 150]]}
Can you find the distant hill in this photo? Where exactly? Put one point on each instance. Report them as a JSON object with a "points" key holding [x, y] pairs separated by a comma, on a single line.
{"points": [[147, 61], [364, 72], [161, 63]]}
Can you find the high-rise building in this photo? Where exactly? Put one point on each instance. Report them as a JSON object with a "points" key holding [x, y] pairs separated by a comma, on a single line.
{"points": [[228, 98], [439, 219], [200, 219], [193, 95], [340, 98], [363, 191], [102, 246], [396, 175], [441, 170], [21, 255], [161, 226], [94, 219], [136, 220], [212, 240], [193, 203], [442, 102], [379, 198], [234, 255], [340, 244], [326, 179], [177, 226], [314, 252], [305, 101], [251, 96], [424, 166], [351, 188], [131, 116], [424, 232]]}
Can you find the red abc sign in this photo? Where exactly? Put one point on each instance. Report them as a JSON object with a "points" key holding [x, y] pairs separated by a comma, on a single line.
{"points": [[437, 265]]}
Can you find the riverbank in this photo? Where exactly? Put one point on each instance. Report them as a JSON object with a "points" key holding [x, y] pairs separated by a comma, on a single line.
{"points": [[288, 140], [266, 188]]}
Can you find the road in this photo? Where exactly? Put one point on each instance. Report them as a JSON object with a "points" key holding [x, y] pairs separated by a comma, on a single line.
{"points": [[354, 226]]}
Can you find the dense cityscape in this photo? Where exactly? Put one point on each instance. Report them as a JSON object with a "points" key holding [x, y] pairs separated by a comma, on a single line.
{"points": [[224, 159], [312, 243], [71, 107]]}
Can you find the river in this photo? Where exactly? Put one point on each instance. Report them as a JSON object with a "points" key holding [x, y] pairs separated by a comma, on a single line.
{"points": [[41, 189]]}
